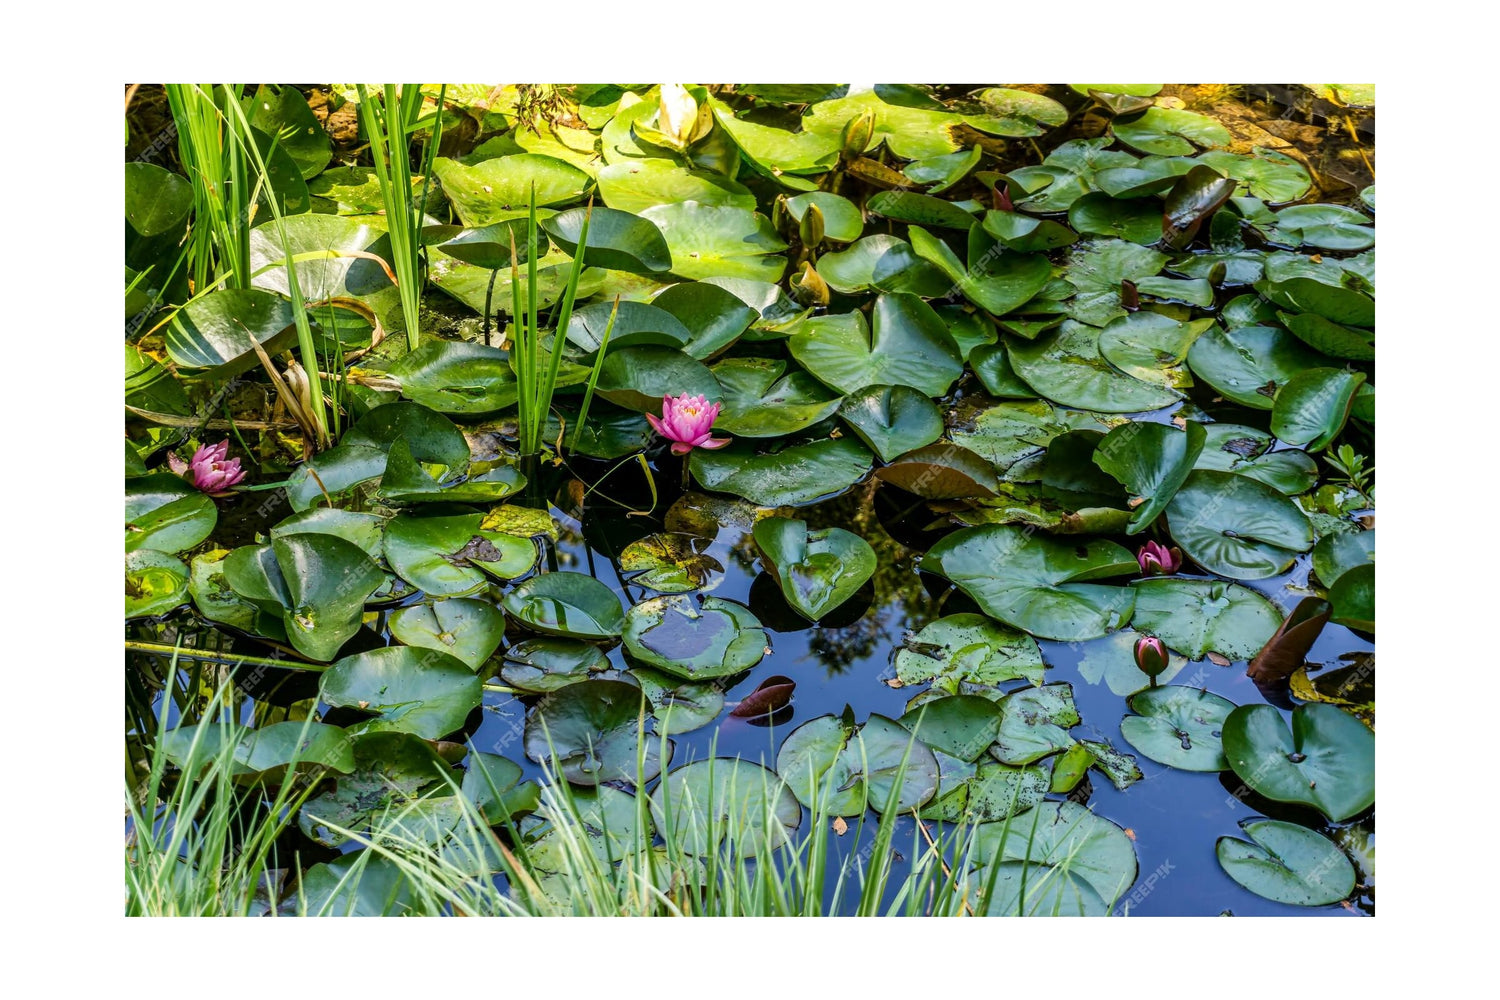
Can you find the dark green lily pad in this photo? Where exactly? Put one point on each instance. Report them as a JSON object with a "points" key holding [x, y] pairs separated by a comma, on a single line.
{"points": [[1068, 172], [1170, 132], [968, 649], [759, 402], [1264, 174], [919, 209], [816, 570], [1312, 407], [1066, 367], [996, 280], [1027, 233], [467, 630], [617, 240], [707, 803], [1326, 760], [155, 583], [695, 639], [1353, 598], [546, 664], [411, 690], [568, 604], [163, 512], [1178, 726], [892, 420], [1287, 863], [1237, 527], [679, 706], [215, 332], [842, 768], [1196, 617], [335, 476], [908, 344], [789, 477], [590, 730], [430, 436], [672, 562], [719, 240], [1334, 339], [1152, 347], [1152, 461], [156, 200], [961, 725], [327, 581], [638, 377], [1337, 554], [1016, 113], [714, 316], [1037, 584], [635, 324], [944, 171], [1096, 270], [1034, 722], [1136, 220], [1058, 838], [451, 556], [1249, 364], [987, 791], [452, 376], [392, 770]]}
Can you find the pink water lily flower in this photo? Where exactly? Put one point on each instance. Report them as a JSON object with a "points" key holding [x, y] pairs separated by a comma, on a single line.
{"points": [[1151, 656], [686, 422], [210, 469], [1158, 560]]}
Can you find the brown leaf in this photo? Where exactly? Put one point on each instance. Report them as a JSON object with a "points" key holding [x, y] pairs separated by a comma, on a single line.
{"points": [[1281, 657], [839, 826], [1218, 658], [894, 682], [1180, 422], [774, 693]]}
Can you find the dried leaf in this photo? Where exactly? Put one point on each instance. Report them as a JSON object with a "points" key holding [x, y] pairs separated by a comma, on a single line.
{"points": [[1218, 658], [1281, 657], [839, 826], [774, 693]]}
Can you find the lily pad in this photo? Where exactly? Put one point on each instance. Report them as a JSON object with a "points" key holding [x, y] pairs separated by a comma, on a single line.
{"points": [[155, 583], [892, 420], [941, 471], [1287, 863], [638, 377], [909, 345], [1016, 113], [430, 436], [1237, 527], [983, 792], [1035, 583], [1027, 233], [392, 770], [1136, 220], [1063, 838], [548, 663], [593, 733], [334, 476], [961, 725], [968, 649], [1249, 364], [327, 581], [638, 185], [453, 556], [672, 562], [1181, 727], [1337, 554], [758, 401], [1097, 269], [1326, 760], [679, 706], [1152, 461], [996, 279], [911, 133], [635, 324], [1152, 347], [468, 630], [215, 332], [817, 570], [617, 240], [1353, 598], [1066, 367], [568, 604], [694, 639], [842, 221], [1034, 722], [1265, 174], [1312, 407], [488, 191], [1197, 617], [842, 768], [1170, 132], [421, 691], [157, 201], [714, 316], [915, 208], [719, 241], [791, 476], [452, 376], [707, 803], [163, 512]]}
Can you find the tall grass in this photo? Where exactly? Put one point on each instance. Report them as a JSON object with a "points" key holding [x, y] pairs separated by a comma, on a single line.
{"points": [[388, 125], [213, 155]]}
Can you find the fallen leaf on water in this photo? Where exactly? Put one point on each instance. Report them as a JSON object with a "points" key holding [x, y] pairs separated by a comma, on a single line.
{"points": [[894, 682], [774, 693], [1130, 832], [1180, 422], [839, 826], [1219, 659]]}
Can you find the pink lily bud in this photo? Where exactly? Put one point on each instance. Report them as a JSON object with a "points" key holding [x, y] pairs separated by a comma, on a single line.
{"points": [[211, 469], [1150, 656], [1158, 560], [686, 422]]}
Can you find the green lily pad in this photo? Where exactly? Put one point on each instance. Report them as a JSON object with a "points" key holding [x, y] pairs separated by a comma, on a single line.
{"points": [[467, 630], [945, 170], [1327, 227], [842, 221], [816, 570], [911, 133], [1034, 722], [488, 191], [672, 562], [1196, 617], [548, 663], [968, 649], [715, 317], [617, 240], [1152, 347], [909, 345], [960, 725], [1016, 113], [776, 151], [915, 208], [1066, 367], [1027, 233], [1333, 339], [1265, 174], [1326, 760], [455, 555], [1170, 132], [335, 475], [1181, 727], [1353, 597], [215, 332], [1249, 364], [1337, 554], [327, 583], [1096, 270], [1062, 838], [452, 376], [392, 770], [284, 113], [759, 402], [1237, 527], [164, 513], [156, 200], [1036, 583], [996, 280], [1136, 220], [635, 324], [983, 792], [892, 419], [430, 436], [638, 377], [325, 250], [873, 262], [707, 803], [1312, 407], [422, 691], [155, 583], [1008, 435], [1146, 176], [679, 706], [217, 601], [1152, 461], [406, 481], [841, 768], [1111, 660], [694, 639], [491, 783], [568, 604], [1287, 863], [789, 477], [590, 730], [709, 240]]}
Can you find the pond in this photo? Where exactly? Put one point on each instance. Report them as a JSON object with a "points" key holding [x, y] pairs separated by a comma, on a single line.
{"points": [[1022, 536]]}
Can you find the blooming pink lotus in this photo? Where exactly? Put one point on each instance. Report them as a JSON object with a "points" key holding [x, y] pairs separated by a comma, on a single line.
{"points": [[1158, 560], [686, 421], [211, 469]]}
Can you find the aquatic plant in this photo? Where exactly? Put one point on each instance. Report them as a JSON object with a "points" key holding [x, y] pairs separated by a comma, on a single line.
{"points": [[210, 469], [1158, 560], [686, 422]]}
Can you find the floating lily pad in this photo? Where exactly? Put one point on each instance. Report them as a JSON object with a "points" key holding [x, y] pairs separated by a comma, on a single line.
{"points": [[357, 884], [1312, 407], [1326, 760], [915, 208], [491, 783], [638, 377], [411, 690], [617, 240], [1036, 583], [1265, 174], [165, 513], [1063, 837], [1010, 436], [792, 476], [1170, 132], [679, 706], [457, 377], [1016, 113], [1068, 172], [759, 401], [1066, 367], [1151, 347], [391, 771], [1096, 270], [968, 649], [1353, 598], [1034, 722], [1249, 364], [1152, 461], [1337, 554], [321, 584], [1237, 527], [672, 562], [911, 132], [590, 730], [156, 200], [1333, 339], [1197, 617], [694, 639], [714, 316], [1328, 227], [568, 604], [215, 332], [719, 240], [997, 280], [406, 482], [944, 171], [1287, 863], [941, 471], [638, 185], [335, 475], [217, 601], [842, 221], [155, 583], [843, 768], [546, 664], [983, 792], [776, 151], [908, 344], [892, 420], [1027, 233], [454, 556], [465, 629], [1136, 220], [488, 191], [881, 262], [1112, 661], [962, 725], [816, 570], [1181, 727], [635, 324], [430, 436], [1016, 889], [702, 805]]}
